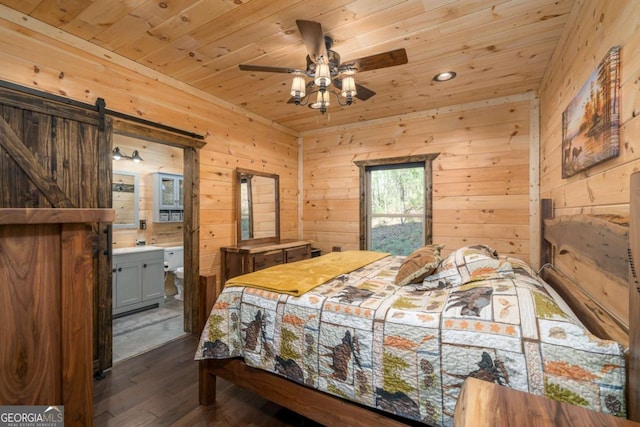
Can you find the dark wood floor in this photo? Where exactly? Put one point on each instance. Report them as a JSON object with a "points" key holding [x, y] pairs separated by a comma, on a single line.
{"points": [[160, 388]]}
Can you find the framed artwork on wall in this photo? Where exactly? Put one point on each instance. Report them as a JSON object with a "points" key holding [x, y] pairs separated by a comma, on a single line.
{"points": [[590, 123]]}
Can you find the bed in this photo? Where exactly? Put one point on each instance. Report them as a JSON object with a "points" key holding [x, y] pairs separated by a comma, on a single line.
{"points": [[381, 352]]}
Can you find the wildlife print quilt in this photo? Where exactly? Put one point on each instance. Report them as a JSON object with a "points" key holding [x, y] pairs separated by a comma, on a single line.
{"points": [[408, 349]]}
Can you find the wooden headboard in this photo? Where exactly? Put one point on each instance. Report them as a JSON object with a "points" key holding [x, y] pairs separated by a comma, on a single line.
{"points": [[634, 302], [586, 260]]}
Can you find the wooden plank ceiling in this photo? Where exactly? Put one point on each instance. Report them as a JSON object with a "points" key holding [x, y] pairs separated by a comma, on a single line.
{"points": [[496, 47]]}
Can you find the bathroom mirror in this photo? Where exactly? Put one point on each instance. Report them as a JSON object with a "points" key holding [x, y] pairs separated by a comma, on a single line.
{"points": [[257, 207], [125, 189]]}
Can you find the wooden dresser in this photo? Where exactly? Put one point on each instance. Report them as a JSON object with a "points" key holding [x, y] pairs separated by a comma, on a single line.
{"points": [[243, 259], [46, 308], [485, 404]]}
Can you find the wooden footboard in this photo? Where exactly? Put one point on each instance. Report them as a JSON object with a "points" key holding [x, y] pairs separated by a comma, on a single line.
{"points": [[207, 292], [318, 406]]}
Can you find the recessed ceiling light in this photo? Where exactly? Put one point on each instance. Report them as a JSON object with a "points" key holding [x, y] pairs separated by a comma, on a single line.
{"points": [[444, 76]]}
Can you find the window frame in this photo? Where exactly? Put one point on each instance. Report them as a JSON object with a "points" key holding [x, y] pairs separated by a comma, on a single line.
{"points": [[365, 216]]}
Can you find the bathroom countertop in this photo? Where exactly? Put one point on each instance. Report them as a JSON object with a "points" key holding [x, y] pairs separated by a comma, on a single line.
{"points": [[173, 245], [137, 249]]}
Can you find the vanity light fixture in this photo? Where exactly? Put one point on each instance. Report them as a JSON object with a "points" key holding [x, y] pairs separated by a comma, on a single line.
{"points": [[135, 156], [116, 154], [444, 76]]}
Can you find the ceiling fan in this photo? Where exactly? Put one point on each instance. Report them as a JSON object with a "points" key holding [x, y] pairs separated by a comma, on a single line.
{"points": [[325, 68]]}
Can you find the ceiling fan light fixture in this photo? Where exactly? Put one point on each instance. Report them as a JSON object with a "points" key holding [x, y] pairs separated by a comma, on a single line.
{"points": [[298, 88], [323, 75], [349, 87], [324, 65], [444, 76], [322, 102]]}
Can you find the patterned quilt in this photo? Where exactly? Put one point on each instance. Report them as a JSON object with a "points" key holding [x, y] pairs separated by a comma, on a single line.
{"points": [[407, 349]]}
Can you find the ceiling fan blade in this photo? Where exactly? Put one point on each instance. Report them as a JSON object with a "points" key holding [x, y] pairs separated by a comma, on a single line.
{"points": [[362, 93], [374, 62], [313, 39], [249, 67]]}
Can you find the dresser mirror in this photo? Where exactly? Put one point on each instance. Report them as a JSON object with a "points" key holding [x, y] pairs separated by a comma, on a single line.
{"points": [[257, 207], [125, 189]]}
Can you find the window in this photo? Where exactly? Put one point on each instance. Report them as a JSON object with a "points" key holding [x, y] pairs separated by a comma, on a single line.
{"points": [[395, 204]]}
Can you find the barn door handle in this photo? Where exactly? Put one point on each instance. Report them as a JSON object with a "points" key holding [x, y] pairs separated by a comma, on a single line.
{"points": [[108, 248]]}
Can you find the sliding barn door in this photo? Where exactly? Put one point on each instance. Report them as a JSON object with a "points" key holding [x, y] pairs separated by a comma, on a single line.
{"points": [[54, 155]]}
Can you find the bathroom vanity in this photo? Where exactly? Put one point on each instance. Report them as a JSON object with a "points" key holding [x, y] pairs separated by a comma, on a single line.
{"points": [[138, 278]]}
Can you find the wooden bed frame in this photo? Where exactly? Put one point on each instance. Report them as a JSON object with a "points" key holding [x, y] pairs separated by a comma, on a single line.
{"points": [[612, 243]]}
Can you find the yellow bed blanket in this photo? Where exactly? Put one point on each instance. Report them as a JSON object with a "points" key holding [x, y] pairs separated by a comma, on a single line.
{"points": [[299, 277]]}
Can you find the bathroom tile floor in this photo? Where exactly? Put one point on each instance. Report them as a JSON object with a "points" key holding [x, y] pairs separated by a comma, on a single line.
{"points": [[147, 336]]}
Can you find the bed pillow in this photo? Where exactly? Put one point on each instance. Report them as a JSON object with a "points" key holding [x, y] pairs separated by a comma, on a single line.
{"points": [[458, 257], [468, 264], [482, 268], [421, 263]]}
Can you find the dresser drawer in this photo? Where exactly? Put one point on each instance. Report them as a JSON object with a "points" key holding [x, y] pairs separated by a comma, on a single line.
{"points": [[267, 259], [298, 253], [237, 260]]}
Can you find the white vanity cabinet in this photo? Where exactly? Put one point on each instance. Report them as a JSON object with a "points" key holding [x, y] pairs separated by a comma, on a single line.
{"points": [[168, 197], [138, 278]]}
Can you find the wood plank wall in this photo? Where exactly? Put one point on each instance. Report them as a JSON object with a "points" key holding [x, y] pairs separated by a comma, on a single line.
{"points": [[480, 180], [234, 137], [473, 143], [594, 27]]}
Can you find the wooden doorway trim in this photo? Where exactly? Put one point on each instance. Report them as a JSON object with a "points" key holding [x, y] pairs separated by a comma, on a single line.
{"points": [[191, 221]]}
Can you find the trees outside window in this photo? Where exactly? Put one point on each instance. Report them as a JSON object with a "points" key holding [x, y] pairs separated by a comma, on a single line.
{"points": [[396, 204]]}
